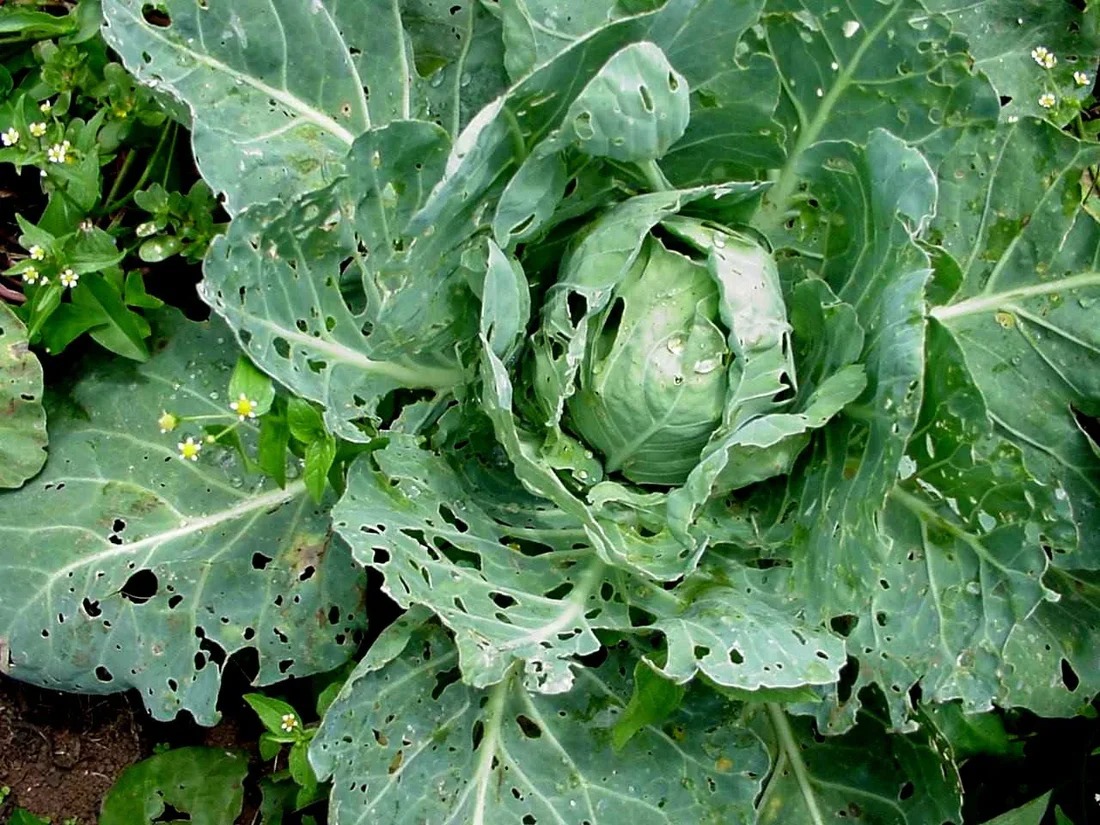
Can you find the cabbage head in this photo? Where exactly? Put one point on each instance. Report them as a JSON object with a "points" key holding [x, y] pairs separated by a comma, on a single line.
{"points": [[660, 360], [665, 350]]}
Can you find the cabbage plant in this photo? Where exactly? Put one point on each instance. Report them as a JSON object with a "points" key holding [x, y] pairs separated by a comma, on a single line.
{"points": [[712, 386]]}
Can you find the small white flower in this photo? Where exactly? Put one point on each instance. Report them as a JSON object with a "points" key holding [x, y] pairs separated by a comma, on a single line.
{"points": [[69, 278], [1043, 56], [37, 129], [59, 152], [189, 449], [37, 253], [45, 106], [244, 407], [30, 274], [1081, 79], [289, 722], [10, 137], [1047, 100]]}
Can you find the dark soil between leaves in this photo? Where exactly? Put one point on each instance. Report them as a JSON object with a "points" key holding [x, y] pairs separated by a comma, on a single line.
{"points": [[60, 753]]}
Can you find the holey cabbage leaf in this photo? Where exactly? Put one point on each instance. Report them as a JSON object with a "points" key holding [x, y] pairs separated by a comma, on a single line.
{"points": [[127, 567], [723, 380]]}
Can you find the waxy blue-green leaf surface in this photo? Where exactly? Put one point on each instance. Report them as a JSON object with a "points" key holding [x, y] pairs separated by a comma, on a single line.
{"points": [[126, 566], [502, 755], [329, 296], [881, 196], [277, 92], [407, 514], [897, 501], [852, 67], [866, 776], [1002, 34], [1025, 311]]}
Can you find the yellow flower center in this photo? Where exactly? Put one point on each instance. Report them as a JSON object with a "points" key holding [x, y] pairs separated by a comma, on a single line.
{"points": [[189, 449], [244, 407]]}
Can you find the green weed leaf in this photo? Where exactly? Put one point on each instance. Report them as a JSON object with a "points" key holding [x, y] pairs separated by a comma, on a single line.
{"points": [[207, 784]]}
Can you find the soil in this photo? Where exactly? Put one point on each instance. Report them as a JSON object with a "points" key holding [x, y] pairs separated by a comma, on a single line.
{"points": [[60, 753]]}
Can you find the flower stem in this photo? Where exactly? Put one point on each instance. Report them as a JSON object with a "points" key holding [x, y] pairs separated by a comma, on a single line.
{"points": [[790, 749]]}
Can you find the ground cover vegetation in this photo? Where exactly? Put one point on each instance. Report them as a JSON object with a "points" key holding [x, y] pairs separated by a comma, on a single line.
{"points": [[646, 411]]}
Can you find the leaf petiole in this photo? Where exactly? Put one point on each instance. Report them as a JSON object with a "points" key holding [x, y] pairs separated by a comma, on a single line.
{"points": [[655, 177], [790, 750]]}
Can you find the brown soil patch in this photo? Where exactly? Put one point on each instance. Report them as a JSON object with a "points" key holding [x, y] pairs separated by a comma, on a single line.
{"points": [[60, 753]]}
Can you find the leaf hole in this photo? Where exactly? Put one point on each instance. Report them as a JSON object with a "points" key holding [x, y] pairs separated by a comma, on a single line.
{"points": [[528, 727], [848, 675], [395, 763], [444, 679], [1069, 676], [563, 590], [522, 226], [647, 98], [577, 305], [140, 587], [449, 516], [582, 125], [103, 675], [502, 600], [91, 607], [260, 561], [156, 15], [639, 617], [844, 624], [214, 652]]}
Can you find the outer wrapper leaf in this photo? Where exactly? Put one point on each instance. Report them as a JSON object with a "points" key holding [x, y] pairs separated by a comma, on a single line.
{"points": [[867, 776], [410, 515], [278, 92], [524, 591], [328, 295], [125, 566], [1024, 314], [873, 264], [500, 755], [1001, 35]]}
